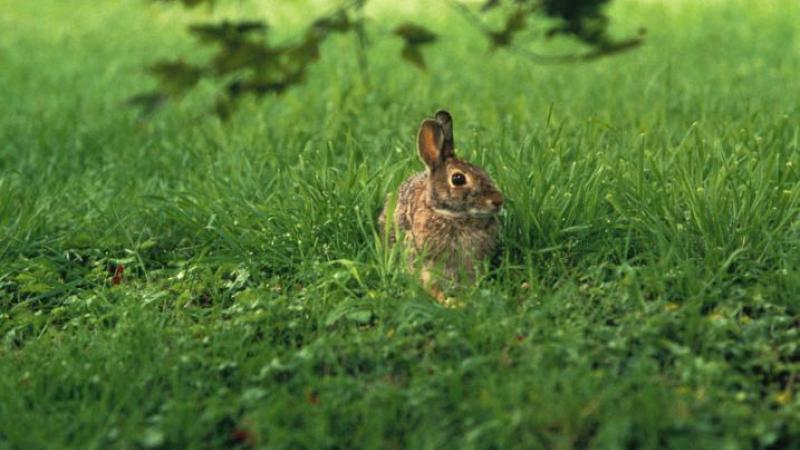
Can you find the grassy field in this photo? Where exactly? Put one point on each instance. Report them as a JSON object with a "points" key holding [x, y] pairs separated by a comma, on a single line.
{"points": [[648, 296]]}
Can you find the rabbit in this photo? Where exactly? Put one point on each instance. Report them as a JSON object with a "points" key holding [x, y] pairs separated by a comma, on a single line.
{"points": [[448, 213]]}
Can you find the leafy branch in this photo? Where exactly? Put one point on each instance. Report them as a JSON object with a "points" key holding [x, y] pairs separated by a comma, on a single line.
{"points": [[247, 63]]}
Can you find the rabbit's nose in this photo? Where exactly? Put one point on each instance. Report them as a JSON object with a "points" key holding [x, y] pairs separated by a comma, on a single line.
{"points": [[496, 201]]}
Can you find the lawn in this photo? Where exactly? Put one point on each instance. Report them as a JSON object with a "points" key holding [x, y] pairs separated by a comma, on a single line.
{"points": [[648, 294]]}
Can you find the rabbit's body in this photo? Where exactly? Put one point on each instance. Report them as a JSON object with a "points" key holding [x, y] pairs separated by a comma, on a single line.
{"points": [[456, 243], [448, 213]]}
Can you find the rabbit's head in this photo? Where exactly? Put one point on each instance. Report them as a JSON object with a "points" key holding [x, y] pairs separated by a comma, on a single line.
{"points": [[455, 187]]}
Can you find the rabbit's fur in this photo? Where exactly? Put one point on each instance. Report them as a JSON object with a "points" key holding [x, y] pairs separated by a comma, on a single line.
{"points": [[448, 213]]}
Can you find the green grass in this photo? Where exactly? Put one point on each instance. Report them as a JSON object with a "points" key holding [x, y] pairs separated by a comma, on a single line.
{"points": [[647, 298]]}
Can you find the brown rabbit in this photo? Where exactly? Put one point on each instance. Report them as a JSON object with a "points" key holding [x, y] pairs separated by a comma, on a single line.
{"points": [[448, 213]]}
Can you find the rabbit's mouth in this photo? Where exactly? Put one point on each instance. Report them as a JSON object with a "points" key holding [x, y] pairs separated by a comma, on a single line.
{"points": [[484, 213], [451, 213], [471, 213]]}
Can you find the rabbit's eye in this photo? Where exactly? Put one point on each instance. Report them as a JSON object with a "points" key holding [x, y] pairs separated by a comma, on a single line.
{"points": [[458, 179]]}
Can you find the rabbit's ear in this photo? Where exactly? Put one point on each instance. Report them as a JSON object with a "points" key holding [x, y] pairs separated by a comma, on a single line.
{"points": [[430, 142], [444, 118]]}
